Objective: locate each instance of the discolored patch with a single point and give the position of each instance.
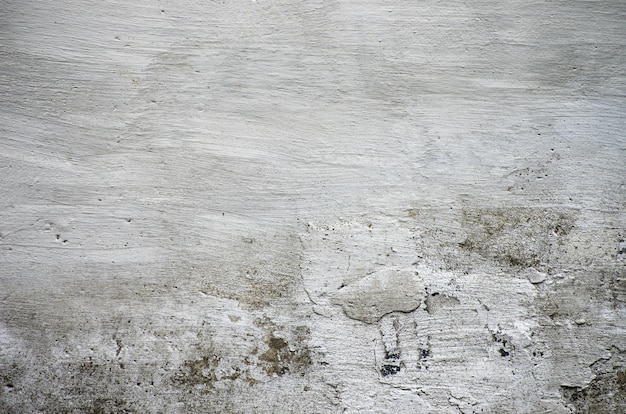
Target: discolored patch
(621, 381)
(606, 392)
(517, 237)
(277, 356)
(199, 371)
(281, 357)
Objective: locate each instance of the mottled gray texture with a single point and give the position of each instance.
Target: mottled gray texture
(312, 207)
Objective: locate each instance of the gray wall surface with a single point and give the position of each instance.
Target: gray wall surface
(274, 206)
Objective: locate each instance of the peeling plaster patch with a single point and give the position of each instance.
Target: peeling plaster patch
(606, 392)
(534, 276)
(380, 293)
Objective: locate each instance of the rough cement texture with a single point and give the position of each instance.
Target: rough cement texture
(312, 207)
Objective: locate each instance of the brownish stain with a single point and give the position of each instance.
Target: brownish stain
(621, 381)
(199, 371)
(280, 359)
(277, 356)
(284, 355)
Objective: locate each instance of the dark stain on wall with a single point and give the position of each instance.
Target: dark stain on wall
(282, 357)
(517, 237)
(199, 371)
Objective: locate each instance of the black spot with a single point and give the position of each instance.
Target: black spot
(504, 353)
(621, 247)
(389, 370)
(395, 354)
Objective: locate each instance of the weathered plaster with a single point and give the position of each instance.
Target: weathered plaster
(312, 207)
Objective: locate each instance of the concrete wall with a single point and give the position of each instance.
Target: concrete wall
(312, 207)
